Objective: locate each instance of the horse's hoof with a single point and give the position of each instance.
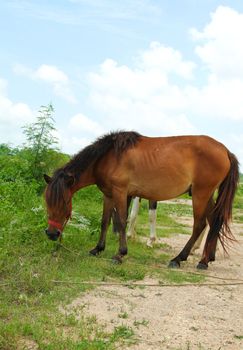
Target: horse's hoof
(117, 259)
(150, 243)
(94, 252)
(212, 257)
(202, 266)
(173, 264)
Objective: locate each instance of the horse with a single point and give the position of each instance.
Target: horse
(126, 164)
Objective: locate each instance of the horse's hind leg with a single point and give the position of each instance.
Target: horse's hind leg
(106, 218)
(210, 208)
(131, 232)
(210, 244)
(152, 223)
(200, 209)
(198, 241)
(208, 253)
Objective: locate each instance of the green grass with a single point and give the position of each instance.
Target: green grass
(30, 263)
(238, 202)
(52, 330)
(238, 216)
(176, 277)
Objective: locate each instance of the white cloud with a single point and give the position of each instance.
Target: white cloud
(3, 86)
(81, 123)
(21, 69)
(143, 98)
(235, 142)
(166, 60)
(219, 99)
(153, 68)
(72, 144)
(52, 75)
(221, 48)
(13, 115)
(80, 132)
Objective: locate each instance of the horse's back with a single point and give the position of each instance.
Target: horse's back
(164, 167)
(175, 163)
(190, 152)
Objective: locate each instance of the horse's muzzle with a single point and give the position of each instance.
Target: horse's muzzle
(53, 235)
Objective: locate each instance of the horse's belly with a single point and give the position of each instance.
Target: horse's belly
(158, 189)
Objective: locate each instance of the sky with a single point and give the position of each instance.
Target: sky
(165, 67)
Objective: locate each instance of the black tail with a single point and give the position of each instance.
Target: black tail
(222, 213)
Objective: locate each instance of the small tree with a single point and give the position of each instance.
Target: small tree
(40, 141)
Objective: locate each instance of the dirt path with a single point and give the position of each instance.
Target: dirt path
(195, 317)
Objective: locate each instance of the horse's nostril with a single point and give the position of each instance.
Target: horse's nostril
(53, 235)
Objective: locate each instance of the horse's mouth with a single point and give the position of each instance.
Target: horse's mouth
(53, 236)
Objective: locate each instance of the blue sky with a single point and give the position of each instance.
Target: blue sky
(159, 67)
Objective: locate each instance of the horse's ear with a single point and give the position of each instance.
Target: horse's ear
(47, 178)
(69, 180)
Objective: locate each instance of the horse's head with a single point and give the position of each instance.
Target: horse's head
(58, 196)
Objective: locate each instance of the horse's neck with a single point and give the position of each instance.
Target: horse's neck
(86, 179)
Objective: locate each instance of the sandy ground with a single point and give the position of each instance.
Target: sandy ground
(192, 317)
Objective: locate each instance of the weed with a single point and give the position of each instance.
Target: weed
(123, 333)
(141, 323)
(240, 337)
(123, 315)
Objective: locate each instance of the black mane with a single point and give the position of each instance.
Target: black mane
(120, 141)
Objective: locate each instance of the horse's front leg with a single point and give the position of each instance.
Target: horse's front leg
(106, 218)
(121, 212)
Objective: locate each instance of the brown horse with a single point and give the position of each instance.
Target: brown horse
(127, 164)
